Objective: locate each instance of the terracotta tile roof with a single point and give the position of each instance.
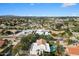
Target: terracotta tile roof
(2, 43)
(74, 50)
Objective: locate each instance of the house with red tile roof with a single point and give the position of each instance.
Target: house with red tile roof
(2, 42)
(73, 50)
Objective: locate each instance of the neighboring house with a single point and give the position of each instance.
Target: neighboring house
(2, 43)
(41, 31)
(73, 51)
(5, 48)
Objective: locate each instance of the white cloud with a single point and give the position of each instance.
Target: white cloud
(68, 4)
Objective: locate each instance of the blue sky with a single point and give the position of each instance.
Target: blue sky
(39, 9)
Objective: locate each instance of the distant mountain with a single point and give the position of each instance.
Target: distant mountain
(6, 17)
(33, 16)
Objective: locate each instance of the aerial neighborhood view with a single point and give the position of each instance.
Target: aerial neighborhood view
(39, 29)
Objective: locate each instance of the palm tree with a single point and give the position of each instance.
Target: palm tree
(60, 49)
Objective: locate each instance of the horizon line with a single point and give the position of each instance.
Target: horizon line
(39, 16)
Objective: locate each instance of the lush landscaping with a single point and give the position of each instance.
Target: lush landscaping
(28, 40)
